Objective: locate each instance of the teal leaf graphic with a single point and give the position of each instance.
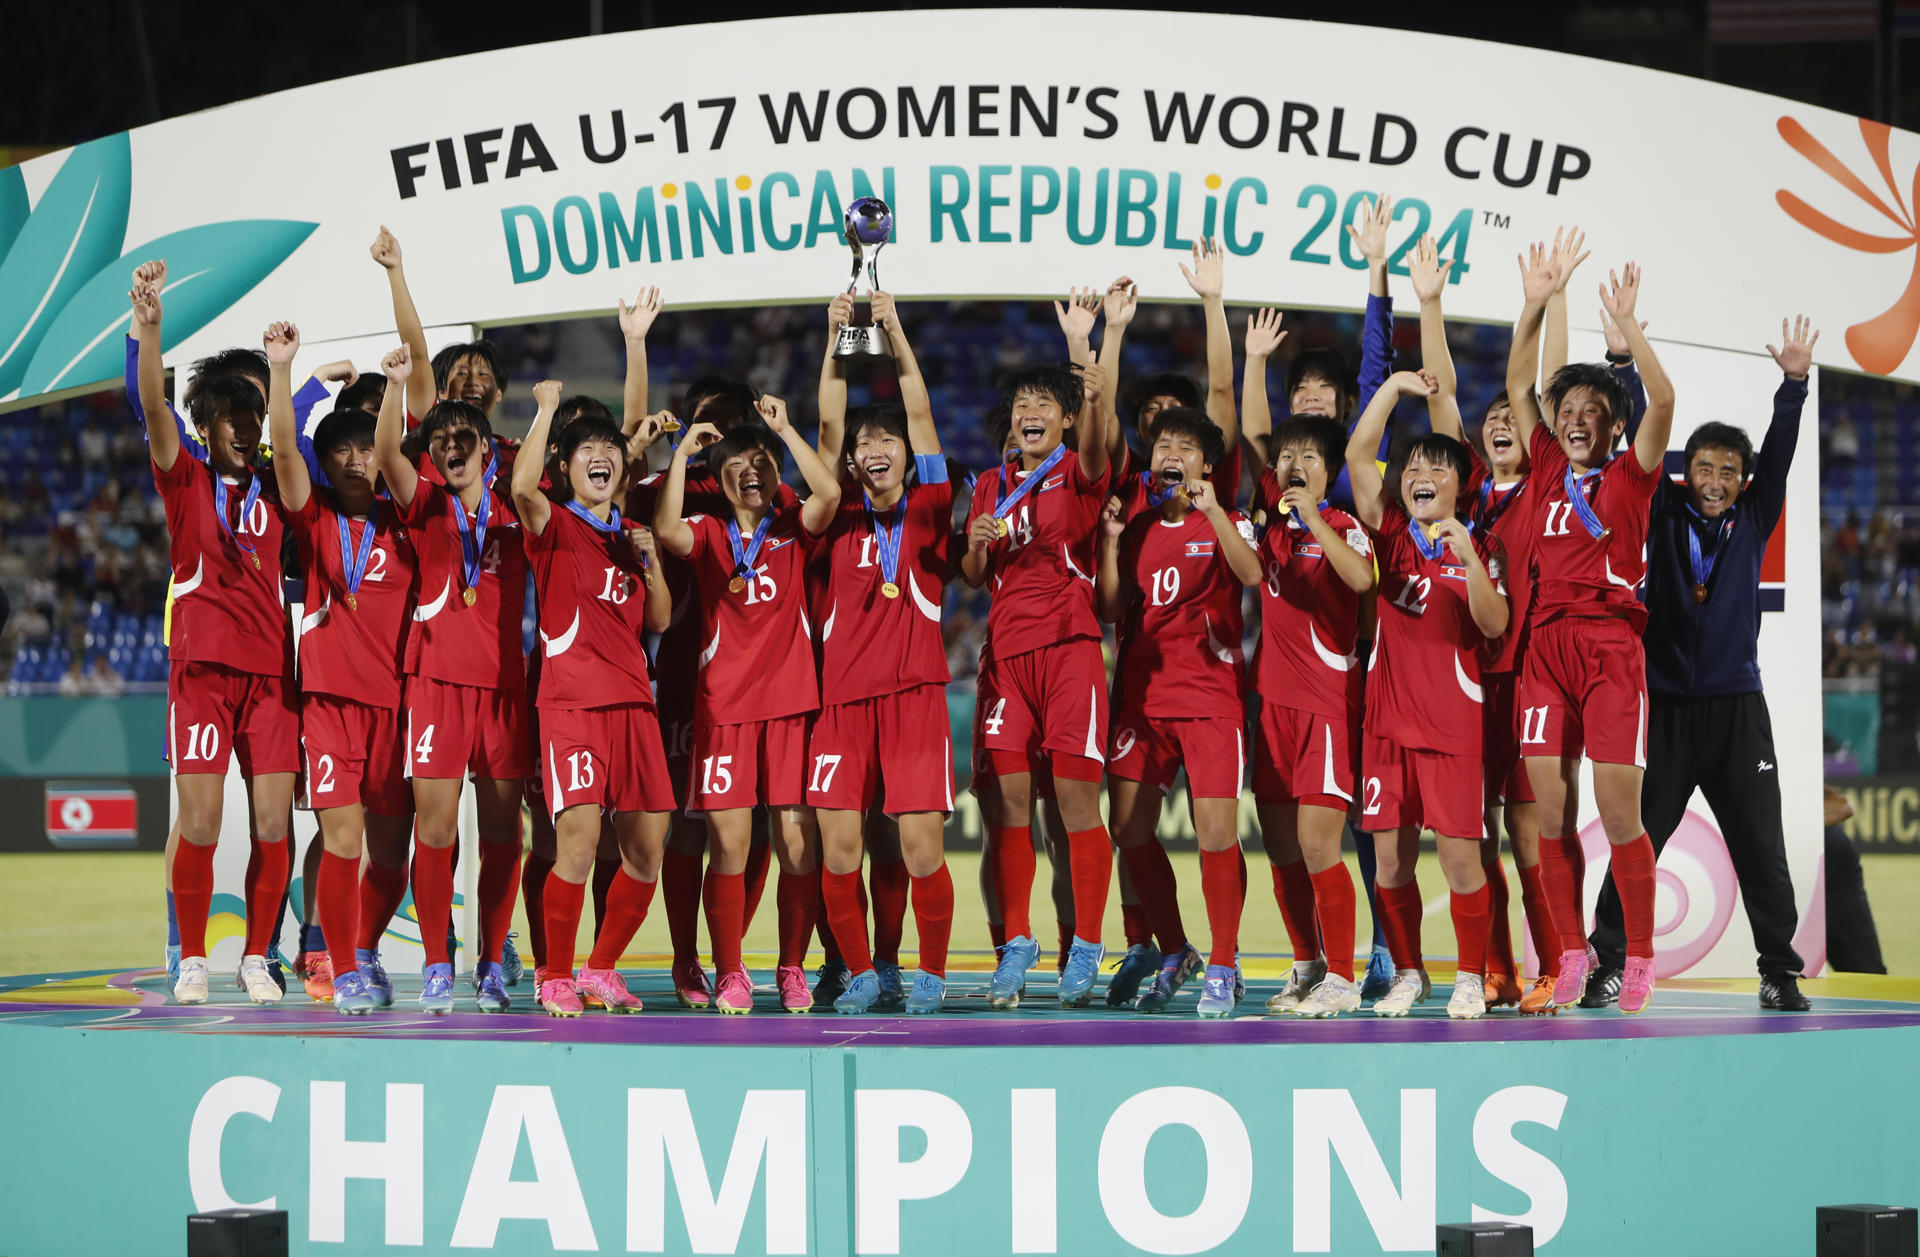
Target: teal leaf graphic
(208, 269)
(78, 227)
(13, 206)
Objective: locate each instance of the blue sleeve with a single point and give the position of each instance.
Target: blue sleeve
(1768, 491)
(1630, 376)
(1376, 359)
(311, 394)
(191, 443)
(932, 468)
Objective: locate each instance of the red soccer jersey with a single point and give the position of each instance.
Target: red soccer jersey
(1043, 570)
(354, 652)
(1132, 491)
(1180, 652)
(226, 584)
(1578, 573)
(871, 644)
(462, 644)
(593, 599)
(1309, 617)
(1423, 682)
(1501, 511)
(756, 657)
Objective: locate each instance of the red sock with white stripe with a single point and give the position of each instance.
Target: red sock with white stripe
(1152, 875)
(933, 917)
(1090, 851)
(1293, 888)
(1333, 902)
(266, 887)
(1400, 912)
(192, 895)
(1634, 875)
(337, 899)
(1470, 926)
(433, 900)
(1226, 900)
(627, 901)
(846, 918)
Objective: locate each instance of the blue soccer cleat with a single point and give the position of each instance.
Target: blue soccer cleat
(489, 988)
(861, 994)
(1174, 973)
(350, 995)
(436, 989)
(892, 993)
(929, 994)
(1216, 991)
(1010, 975)
(1082, 967)
(379, 985)
(1379, 979)
(173, 965)
(512, 968)
(1139, 965)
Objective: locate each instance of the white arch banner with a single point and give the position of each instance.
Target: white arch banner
(1019, 157)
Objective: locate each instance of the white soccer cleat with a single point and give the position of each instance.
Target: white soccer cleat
(191, 986)
(1410, 987)
(1331, 997)
(1469, 998)
(256, 981)
(1301, 980)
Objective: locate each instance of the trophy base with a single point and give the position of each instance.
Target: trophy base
(861, 342)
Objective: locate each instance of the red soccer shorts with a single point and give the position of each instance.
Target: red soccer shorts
(1430, 789)
(456, 731)
(350, 753)
(1583, 687)
(902, 740)
(1152, 750)
(1507, 780)
(609, 757)
(215, 713)
(759, 762)
(1305, 756)
(1052, 699)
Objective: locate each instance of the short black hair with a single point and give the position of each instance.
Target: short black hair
(584, 428)
(249, 364)
(732, 397)
(453, 413)
(741, 438)
(573, 409)
(887, 417)
(1433, 448)
(1060, 381)
(1497, 400)
(1602, 381)
(1165, 384)
(1324, 364)
(1000, 428)
(371, 387)
(483, 349)
(347, 425)
(1189, 422)
(1721, 436)
(1325, 436)
(227, 396)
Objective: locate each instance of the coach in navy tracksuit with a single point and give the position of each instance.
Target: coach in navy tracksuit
(1708, 725)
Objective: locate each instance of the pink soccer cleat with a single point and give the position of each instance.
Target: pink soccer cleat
(1636, 985)
(608, 989)
(1571, 983)
(735, 992)
(560, 997)
(690, 986)
(794, 995)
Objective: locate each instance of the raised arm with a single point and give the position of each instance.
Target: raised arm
(659, 608)
(163, 438)
(669, 528)
(823, 484)
(1119, 306)
(1620, 362)
(1795, 358)
(1077, 315)
(1109, 590)
(390, 430)
(1363, 468)
(1234, 548)
(635, 321)
(421, 391)
(1207, 280)
(1370, 238)
(533, 506)
(1619, 296)
(1264, 336)
(833, 384)
(1376, 328)
(1429, 274)
(1539, 271)
(282, 342)
(922, 434)
(1568, 254)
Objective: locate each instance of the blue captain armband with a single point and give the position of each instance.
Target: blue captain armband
(932, 468)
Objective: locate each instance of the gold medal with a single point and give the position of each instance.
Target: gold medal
(669, 425)
(1699, 593)
(737, 584)
(469, 595)
(256, 561)
(1431, 530)
(353, 604)
(1003, 527)
(1285, 508)
(890, 589)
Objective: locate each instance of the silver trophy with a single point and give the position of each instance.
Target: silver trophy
(869, 223)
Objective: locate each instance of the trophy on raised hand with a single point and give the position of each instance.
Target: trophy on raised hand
(869, 223)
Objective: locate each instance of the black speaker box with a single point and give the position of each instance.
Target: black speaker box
(1483, 1239)
(238, 1233)
(1866, 1231)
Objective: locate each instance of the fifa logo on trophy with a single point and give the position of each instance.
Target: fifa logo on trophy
(869, 223)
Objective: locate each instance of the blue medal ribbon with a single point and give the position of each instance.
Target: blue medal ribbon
(743, 560)
(1158, 491)
(612, 525)
(473, 540)
(1429, 549)
(1703, 559)
(887, 538)
(1011, 499)
(1293, 517)
(353, 558)
(1576, 487)
(246, 509)
(1491, 511)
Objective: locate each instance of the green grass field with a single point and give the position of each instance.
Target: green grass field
(99, 911)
